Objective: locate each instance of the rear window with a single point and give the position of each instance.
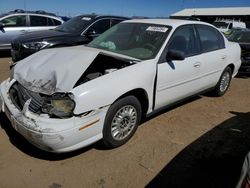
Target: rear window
(75, 25)
(210, 38)
(56, 22)
(53, 22)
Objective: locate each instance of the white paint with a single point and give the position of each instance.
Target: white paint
(64, 66)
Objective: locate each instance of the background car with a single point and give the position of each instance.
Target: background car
(226, 24)
(18, 22)
(63, 99)
(78, 30)
(242, 36)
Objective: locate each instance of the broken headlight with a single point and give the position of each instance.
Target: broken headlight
(59, 105)
(36, 45)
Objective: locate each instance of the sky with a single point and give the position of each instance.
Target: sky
(149, 8)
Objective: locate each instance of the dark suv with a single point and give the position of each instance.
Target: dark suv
(242, 36)
(19, 21)
(78, 30)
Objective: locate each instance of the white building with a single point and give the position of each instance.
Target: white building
(211, 14)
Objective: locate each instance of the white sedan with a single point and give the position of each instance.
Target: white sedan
(67, 98)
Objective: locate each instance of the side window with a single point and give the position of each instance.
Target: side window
(183, 40)
(50, 22)
(38, 21)
(210, 38)
(57, 22)
(15, 21)
(230, 26)
(115, 21)
(101, 26)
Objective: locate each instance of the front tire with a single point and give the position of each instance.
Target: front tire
(121, 121)
(223, 83)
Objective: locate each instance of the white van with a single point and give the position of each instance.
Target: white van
(224, 25)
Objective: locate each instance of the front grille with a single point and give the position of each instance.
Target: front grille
(19, 95)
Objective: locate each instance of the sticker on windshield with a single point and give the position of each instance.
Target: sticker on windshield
(157, 29)
(86, 18)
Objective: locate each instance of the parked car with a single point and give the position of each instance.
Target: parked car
(18, 22)
(78, 30)
(242, 36)
(226, 24)
(63, 99)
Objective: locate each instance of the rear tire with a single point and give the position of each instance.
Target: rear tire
(223, 83)
(121, 121)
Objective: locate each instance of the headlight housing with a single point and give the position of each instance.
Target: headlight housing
(59, 105)
(36, 45)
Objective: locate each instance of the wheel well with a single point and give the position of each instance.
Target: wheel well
(231, 66)
(141, 95)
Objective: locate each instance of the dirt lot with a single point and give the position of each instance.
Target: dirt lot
(199, 143)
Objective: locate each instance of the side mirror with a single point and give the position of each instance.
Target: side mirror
(175, 55)
(91, 33)
(2, 27)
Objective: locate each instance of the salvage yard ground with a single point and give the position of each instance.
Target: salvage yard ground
(199, 143)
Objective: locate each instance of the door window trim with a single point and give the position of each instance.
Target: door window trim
(162, 58)
(97, 20)
(221, 38)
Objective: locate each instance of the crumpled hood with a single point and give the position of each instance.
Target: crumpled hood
(54, 70)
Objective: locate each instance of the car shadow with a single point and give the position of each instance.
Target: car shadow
(5, 54)
(243, 76)
(213, 160)
(168, 108)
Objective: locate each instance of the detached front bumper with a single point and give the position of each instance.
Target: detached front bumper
(50, 134)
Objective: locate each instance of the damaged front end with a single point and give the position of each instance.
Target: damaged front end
(48, 122)
(58, 105)
(45, 100)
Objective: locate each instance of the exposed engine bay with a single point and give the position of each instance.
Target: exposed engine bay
(102, 65)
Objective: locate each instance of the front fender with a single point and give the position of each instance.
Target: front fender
(106, 89)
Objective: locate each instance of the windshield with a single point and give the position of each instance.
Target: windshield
(75, 25)
(222, 25)
(240, 36)
(137, 40)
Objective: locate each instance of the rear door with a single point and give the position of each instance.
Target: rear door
(38, 22)
(213, 54)
(179, 79)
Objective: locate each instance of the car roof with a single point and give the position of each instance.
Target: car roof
(38, 12)
(94, 16)
(170, 22)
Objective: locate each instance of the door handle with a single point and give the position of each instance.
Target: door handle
(197, 65)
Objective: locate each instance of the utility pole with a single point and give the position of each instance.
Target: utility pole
(24, 4)
(194, 6)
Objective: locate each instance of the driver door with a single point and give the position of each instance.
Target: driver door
(179, 79)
